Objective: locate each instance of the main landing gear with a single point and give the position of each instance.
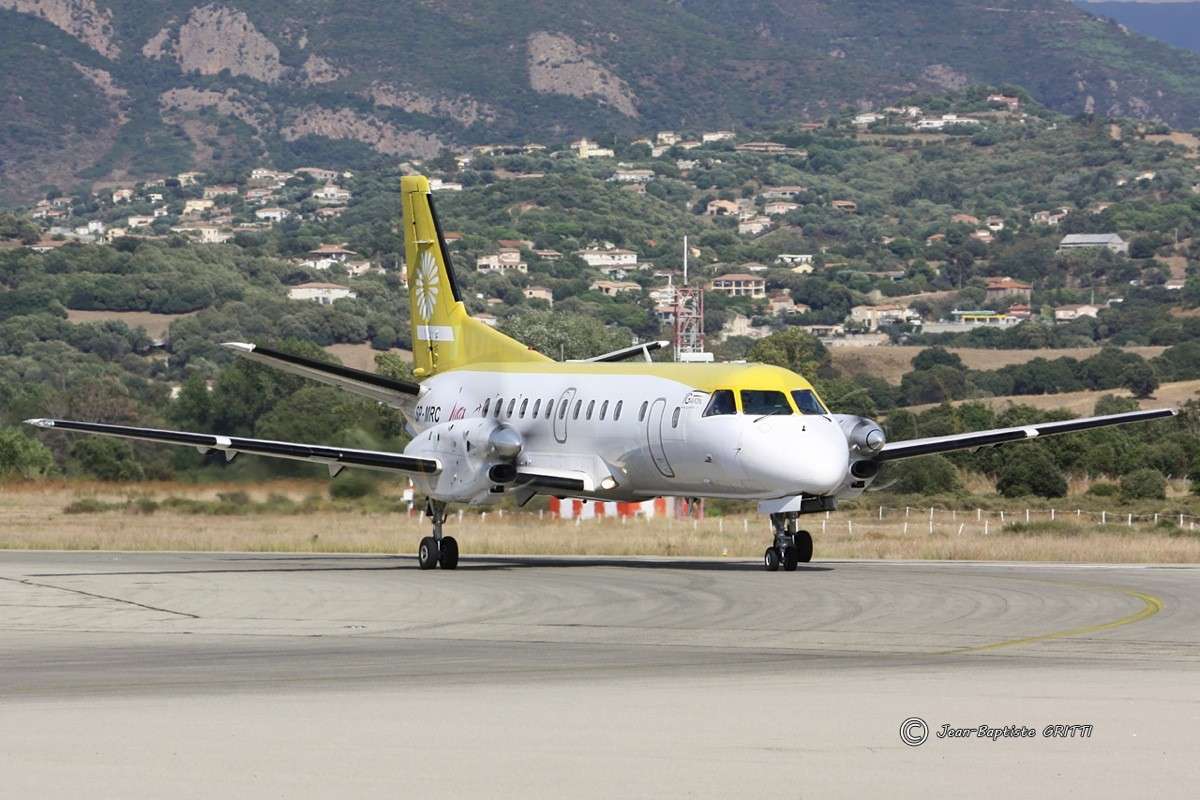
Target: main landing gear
(791, 546)
(437, 549)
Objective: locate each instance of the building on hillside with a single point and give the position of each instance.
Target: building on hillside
(321, 293)
(722, 208)
(1085, 241)
(319, 174)
(219, 190)
(328, 255)
(197, 206)
(777, 208)
(205, 234)
(538, 293)
(964, 219)
(754, 226)
(608, 256)
(740, 325)
(332, 195)
(667, 138)
(1000, 288)
(272, 214)
(258, 195)
(439, 185)
(717, 136)
(1074, 312)
(1051, 218)
(614, 288)
(767, 148)
(1012, 103)
(189, 178)
(629, 175)
(737, 284)
(587, 149)
(874, 317)
(782, 192)
(548, 255)
(983, 235)
(491, 320)
(849, 206)
(515, 244)
(507, 260)
(122, 195)
(995, 224)
(795, 260)
(133, 223)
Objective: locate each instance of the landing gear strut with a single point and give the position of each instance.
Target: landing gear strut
(437, 549)
(790, 548)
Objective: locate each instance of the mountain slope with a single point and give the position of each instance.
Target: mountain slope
(119, 89)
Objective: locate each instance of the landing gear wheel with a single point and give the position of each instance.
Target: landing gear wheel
(449, 556)
(771, 559)
(790, 559)
(803, 546)
(428, 552)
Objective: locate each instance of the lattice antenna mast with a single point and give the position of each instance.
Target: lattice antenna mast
(689, 318)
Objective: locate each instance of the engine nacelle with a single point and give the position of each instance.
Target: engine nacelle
(476, 455)
(865, 440)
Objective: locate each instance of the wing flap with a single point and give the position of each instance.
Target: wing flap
(381, 388)
(969, 441)
(334, 457)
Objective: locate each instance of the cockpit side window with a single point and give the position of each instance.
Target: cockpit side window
(720, 403)
(807, 402)
(758, 402)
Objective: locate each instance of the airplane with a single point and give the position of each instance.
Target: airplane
(491, 418)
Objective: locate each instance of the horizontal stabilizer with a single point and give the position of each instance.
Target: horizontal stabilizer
(969, 441)
(643, 349)
(334, 457)
(381, 388)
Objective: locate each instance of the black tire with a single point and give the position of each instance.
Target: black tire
(771, 559)
(449, 555)
(790, 559)
(427, 553)
(803, 546)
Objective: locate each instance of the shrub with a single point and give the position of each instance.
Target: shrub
(23, 457)
(928, 475)
(1144, 484)
(1031, 471)
(352, 486)
(1104, 490)
(89, 505)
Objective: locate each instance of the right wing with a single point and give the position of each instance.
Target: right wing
(969, 441)
(336, 458)
(390, 391)
(644, 349)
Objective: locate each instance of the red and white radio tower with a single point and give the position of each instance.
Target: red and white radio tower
(689, 318)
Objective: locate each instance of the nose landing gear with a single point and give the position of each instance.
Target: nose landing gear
(791, 547)
(437, 549)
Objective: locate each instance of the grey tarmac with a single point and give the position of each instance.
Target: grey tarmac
(201, 675)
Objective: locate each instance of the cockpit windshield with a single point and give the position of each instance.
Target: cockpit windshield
(807, 402)
(720, 404)
(759, 402)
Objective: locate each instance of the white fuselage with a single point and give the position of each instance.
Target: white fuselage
(635, 435)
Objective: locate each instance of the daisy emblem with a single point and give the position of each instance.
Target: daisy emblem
(426, 285)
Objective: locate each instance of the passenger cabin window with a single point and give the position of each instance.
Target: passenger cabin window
(549, 408)
(617, 411)
(511, 405)
(675, 418)
(524, 406)
(603, 410)
(642, 411)
(537, 406)
(591, 407)
(499, 406)
(720, 403)
(575, 413)
(487, 405)
(758, 402)
(562, 411)
(807, 402)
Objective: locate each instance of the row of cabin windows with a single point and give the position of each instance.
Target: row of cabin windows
(563, 409)
(759, 402)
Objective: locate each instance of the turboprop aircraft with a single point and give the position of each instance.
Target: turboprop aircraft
(490, 418)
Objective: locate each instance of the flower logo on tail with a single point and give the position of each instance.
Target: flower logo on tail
(426, 287)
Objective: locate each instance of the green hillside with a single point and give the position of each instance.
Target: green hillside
(121, 89)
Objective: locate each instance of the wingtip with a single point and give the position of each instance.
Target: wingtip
(244, 347)
(40, 423)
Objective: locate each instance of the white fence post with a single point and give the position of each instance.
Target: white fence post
(985, 527)
(1103, 517)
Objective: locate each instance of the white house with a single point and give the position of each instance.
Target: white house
(327, 255)
(794, 259)
(614, 288)
(133, 223)
(608, 257)
(754, 226)
(629, 175)
(439, 185)
(1083, 241)
(322, 293)
(197, 206)
(272, 214)
(332, 195)
(717, 136)
(1073, 312)
(872, 317)
(507, 260)
(777, 208)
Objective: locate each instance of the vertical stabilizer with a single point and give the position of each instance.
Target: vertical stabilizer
(444, 336)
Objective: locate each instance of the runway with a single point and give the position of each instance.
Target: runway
(192, 675)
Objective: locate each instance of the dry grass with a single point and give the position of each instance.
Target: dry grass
(891, 362)
(32, 517)
(362, 356)
(1082, 403)
(156, 325)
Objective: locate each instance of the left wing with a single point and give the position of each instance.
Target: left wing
(969, 441)
(336, 458)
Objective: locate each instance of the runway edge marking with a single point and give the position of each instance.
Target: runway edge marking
(1151, 605)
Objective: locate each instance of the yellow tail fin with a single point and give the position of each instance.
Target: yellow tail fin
(444, 335)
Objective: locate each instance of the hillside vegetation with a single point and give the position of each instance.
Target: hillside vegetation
(118, 89)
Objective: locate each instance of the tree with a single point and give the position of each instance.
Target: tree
(927, 475)
(794, 349)
(23, 457)
(1031, 472)
(1139, 379)
(1144, 484)
(107, 460)
(564, 335)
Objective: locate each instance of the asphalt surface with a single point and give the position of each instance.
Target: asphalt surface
(196, 675)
